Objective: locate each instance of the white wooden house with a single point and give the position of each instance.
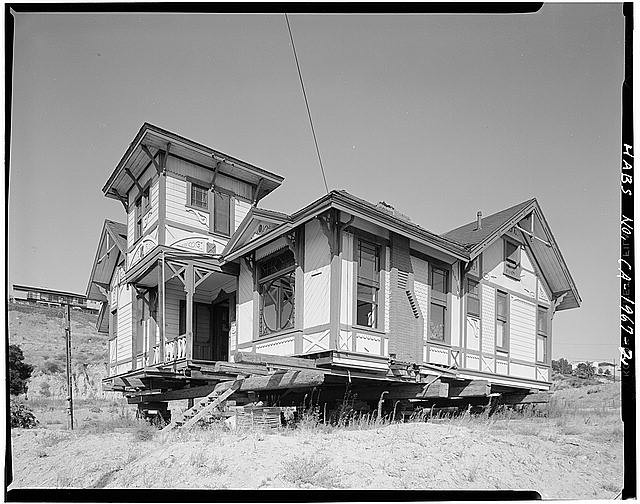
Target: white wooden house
(200, 275)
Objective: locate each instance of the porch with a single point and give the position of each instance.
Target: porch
(183, 308)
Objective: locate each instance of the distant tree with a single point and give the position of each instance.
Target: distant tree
(585, 370)
(19, 371)
(562, 366)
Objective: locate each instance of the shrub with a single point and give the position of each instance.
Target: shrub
(19, 371)
(22, 416)
(51, 367)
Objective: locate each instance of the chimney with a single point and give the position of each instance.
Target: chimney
(479, 221)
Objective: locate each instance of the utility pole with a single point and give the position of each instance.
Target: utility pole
(67, 332)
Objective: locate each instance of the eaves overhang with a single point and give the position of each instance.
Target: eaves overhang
(155, 138)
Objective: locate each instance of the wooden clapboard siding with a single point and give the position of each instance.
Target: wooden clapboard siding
(421, 289)
(488, 334)
(493, 271)
(347, 299)
(316, 275)
(245, 304)
(241, 209)
(153, 197)
(522, 329)
(131, 226)
(173, 294)
(178, 212)
(453, 317)
(125, 328)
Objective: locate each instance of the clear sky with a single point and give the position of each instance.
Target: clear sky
(439, 115)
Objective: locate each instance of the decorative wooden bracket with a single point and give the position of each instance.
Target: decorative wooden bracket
(557, 301)
(250, 262)
(165, 157)
(135, 180)
(258, 187)
(122, 199)
(329, 224)
(290, 238)
(216, 169)
(152, 158)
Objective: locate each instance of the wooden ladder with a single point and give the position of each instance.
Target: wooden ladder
(189, 418)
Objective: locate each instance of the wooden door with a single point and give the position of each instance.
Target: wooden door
(202, 334)
(221, 331)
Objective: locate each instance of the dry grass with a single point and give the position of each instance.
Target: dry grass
(311, 470)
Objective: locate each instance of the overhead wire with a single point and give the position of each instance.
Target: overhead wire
(306, 101)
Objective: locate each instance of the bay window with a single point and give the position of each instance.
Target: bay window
(276, 285)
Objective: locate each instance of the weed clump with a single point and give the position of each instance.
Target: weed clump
(309, 471)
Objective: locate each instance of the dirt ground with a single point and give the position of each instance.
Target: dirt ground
(574, 453)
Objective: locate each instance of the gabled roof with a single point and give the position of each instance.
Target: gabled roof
(468, 236)
(112, 248)
(251, 224)
(546, 253)
(153, 139)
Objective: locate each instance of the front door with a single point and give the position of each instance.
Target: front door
(202, 334)
(221, 330)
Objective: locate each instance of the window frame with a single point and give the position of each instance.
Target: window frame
(472, 296)
(141, 207)
(512, 271)
(441, 299)
(263, 281)
(373, 283)
(498, 318)
(190, 201)
(542, 334)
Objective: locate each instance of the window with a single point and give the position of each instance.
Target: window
(221, 213)
(368, 260)
(141, 208)
(502, 322)
(276, 279)
(473, 299)
(439, 282)
(199, 197)
(512, 259)
(541, 340)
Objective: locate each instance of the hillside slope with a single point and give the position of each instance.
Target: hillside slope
(39, 331)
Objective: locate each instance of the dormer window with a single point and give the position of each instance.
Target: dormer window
(512, 259)
(199, 196)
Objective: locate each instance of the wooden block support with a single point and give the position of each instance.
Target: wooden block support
(273, 360)
(540, 397)
(469, 388)
(302, 378)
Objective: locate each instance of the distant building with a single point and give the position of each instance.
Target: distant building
(50, 297)
(604, 366)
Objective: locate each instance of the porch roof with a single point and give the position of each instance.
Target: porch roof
(146, 265)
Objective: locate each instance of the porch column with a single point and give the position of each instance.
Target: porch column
(160, 309)
(189, 288)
